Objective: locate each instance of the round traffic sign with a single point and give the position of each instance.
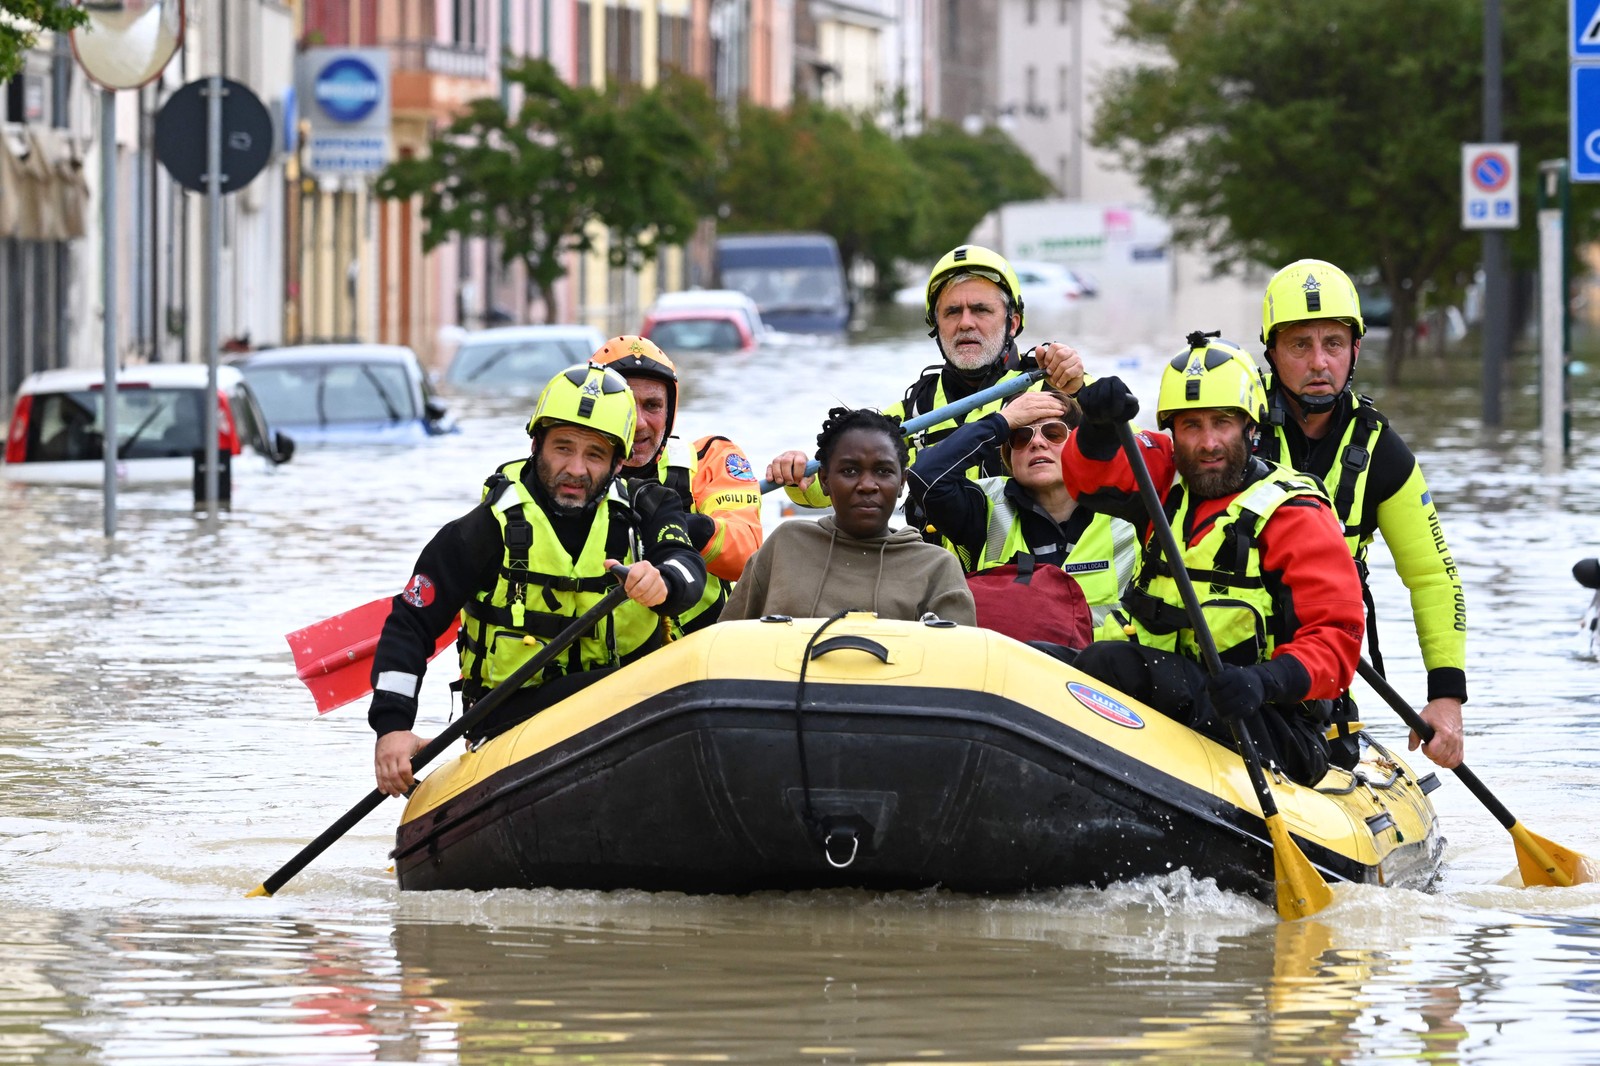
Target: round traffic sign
(181, 139)
(1490, 171)
(348, 89)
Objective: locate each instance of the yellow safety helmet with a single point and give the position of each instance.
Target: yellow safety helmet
(1309, 289)
(589, 396)
(633, 356)
(972, 259)
(1211, 372)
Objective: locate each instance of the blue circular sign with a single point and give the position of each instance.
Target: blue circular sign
(348, 89)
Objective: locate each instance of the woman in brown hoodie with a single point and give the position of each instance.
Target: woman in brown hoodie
(852, 560)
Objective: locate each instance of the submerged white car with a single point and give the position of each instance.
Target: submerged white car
(56, 435)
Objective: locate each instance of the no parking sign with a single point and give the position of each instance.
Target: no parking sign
(1488, 186)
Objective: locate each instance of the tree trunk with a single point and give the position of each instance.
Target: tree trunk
(1402, 332)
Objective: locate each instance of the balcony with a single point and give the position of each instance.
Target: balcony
(436, 57)
(435, 79)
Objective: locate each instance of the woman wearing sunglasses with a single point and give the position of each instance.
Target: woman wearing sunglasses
(1026, 519)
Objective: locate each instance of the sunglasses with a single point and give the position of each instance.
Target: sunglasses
(1054, 433)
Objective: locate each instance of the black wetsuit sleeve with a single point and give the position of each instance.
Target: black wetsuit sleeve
(461, 559)
(938, 483)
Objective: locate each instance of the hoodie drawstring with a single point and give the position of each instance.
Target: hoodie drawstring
(822, 580)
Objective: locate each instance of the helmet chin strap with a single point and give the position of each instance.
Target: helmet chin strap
(1316, 405)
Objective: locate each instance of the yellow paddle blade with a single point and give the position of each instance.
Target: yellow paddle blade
(259, 890)
(1544, 862)
(1301, 890)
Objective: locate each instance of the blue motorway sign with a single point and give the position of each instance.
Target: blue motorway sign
(1584, 108)
(1584, 33)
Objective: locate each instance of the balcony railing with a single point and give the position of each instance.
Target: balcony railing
(436, 57)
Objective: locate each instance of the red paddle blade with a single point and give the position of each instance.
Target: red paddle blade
(334, 656)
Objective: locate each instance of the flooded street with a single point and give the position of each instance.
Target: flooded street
(158, 758)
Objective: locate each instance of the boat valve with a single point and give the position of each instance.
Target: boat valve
(833, 846)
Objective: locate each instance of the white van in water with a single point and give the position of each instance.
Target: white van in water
(57, 425)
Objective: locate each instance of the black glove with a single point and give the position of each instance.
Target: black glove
(1107, 402)
(1241, 690)
(1236, 691)
(701, 529)
(650, 496)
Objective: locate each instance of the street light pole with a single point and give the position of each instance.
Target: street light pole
(108, 299)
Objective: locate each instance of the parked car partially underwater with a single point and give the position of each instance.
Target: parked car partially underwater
(705, 329)
(57, 430)
(513, 360)
(797, 279)
(346, 393)
(708, 299)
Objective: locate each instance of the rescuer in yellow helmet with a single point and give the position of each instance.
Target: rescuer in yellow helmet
(1279, 595)
(1312, 326)
(527, 560)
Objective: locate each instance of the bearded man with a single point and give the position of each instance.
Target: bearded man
(531, 557)
(1278, 588)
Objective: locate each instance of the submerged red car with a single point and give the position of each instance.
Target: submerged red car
(698, 329)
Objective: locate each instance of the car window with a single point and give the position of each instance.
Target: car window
(327, 393)
(697, 334)
(151, 424)
(787, 287)
(518, 365)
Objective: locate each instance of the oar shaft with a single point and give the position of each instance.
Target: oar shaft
(480, 710)
(955, 409)
(1162, 531)
(1381, 686)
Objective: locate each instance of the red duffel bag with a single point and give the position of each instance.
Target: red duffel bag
(1026, 601)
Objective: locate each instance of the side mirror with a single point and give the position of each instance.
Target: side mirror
(435, 409)
(126, 43)
(282, 449)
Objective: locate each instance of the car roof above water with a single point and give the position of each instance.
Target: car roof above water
(152, 375)
(396, 353)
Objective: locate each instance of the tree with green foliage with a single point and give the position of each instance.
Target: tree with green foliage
(538, 178)
(884, 199)
(21, 21)
(967, 176)
(1271, 130)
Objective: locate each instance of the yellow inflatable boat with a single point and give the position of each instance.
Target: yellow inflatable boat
(882, 755)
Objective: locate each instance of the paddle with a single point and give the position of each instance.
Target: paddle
(332, 656)
(1301, 890)
(480, 710)
(955, 409)
(1541, 861)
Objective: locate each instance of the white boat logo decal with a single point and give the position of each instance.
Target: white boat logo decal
(1106, 707)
